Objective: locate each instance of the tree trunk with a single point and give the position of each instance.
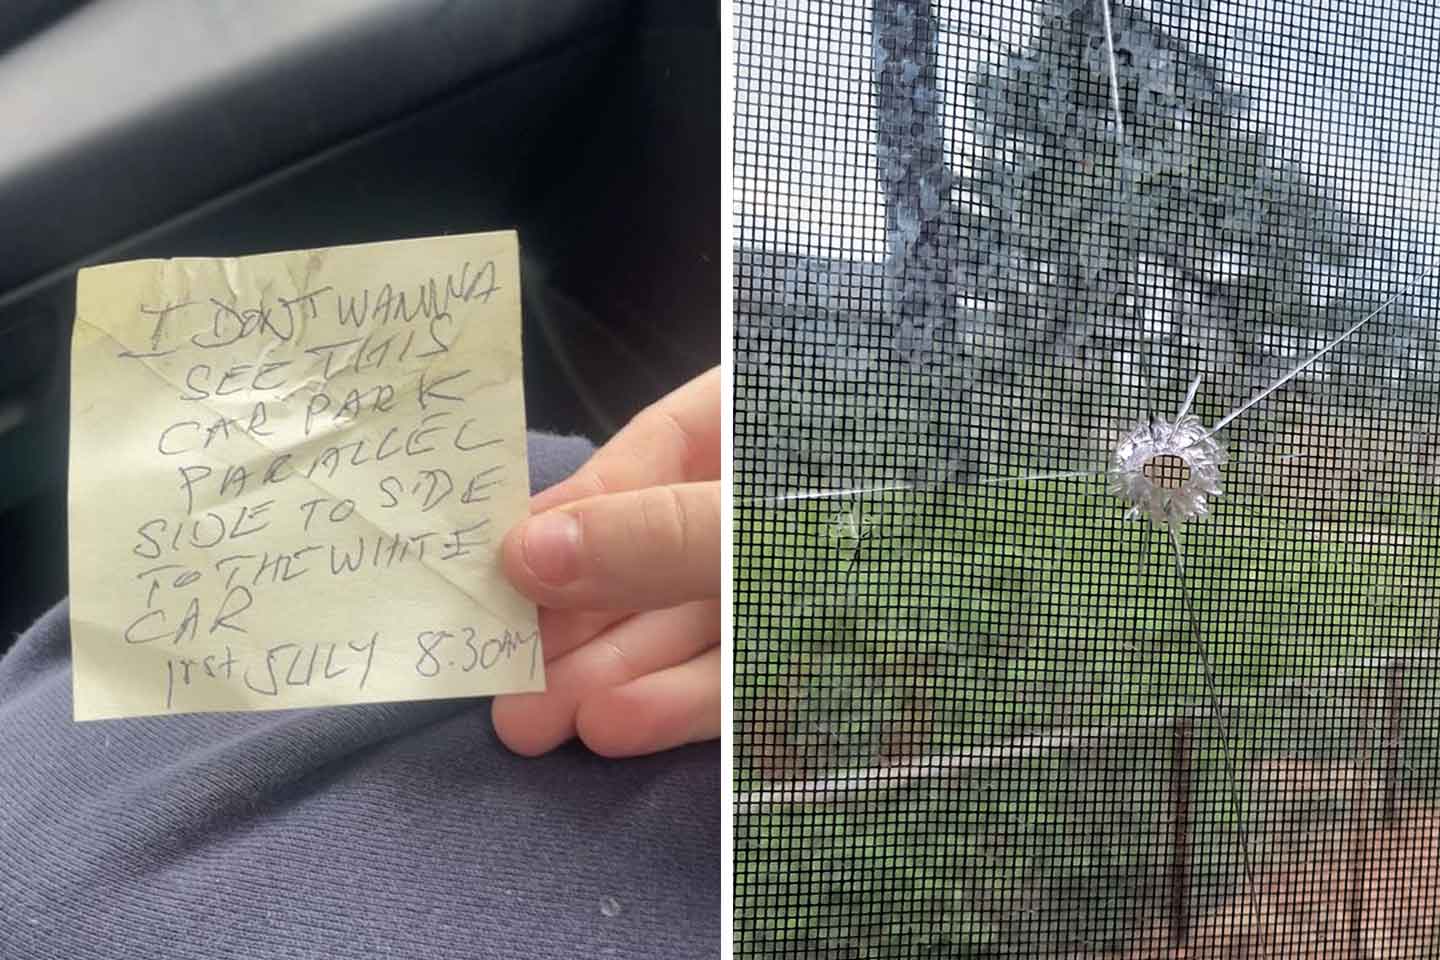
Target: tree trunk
(910, 150)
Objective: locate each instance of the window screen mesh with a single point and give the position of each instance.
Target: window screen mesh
(1051, 638)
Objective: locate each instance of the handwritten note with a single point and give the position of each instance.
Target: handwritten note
(289, 476)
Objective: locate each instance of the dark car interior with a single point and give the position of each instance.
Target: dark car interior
(159, 128)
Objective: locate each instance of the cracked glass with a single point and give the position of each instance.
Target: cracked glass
(1087, 450)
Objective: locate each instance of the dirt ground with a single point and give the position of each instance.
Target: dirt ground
(1305, 902)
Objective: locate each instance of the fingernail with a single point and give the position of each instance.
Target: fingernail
(552, 547)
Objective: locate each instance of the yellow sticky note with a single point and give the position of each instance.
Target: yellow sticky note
(290, 475)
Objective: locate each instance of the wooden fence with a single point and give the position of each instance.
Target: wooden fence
(875, 781)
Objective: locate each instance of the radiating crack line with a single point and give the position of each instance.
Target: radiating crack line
(920, 487)
(1114, 73)
(1212, 694)
(831, 494)
(1305, 364)
(1185, 406)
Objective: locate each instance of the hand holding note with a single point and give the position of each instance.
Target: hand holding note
(624, 560)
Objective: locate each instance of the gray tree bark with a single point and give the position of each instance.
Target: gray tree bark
(910, 149)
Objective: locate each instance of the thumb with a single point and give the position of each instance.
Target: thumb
(638, 550)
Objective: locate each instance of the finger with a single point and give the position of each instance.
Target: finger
(535, 723)
(563, 630)
(639, 550)
(661, 710)
(674, 440)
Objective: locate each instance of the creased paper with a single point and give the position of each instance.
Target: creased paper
(290, 475)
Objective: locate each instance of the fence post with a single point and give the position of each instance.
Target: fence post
(1363, 800)
(1359, 846)
(1394, 715)
(1182, 767)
